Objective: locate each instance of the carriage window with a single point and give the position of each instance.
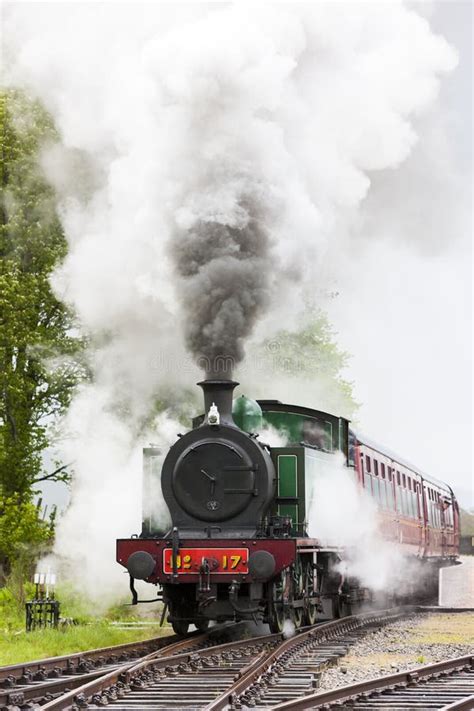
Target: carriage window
(389, 469)
(409, 483)
(367, 462)
(382, 469)
(404, 480)
(376, 467)
(450, 515)
(398, 478)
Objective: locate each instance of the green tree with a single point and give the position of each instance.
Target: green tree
(36, 330)
(23, 537)
(309, 354)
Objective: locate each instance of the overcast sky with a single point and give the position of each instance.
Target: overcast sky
(404, 313)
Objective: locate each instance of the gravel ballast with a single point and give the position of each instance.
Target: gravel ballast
(404, 645)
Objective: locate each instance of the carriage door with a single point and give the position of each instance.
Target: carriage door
(426, 519)
(420, 516)
(444, 538)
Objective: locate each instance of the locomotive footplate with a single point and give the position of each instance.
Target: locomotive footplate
(245, 560)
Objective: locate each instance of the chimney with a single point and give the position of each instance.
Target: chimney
(218, 392)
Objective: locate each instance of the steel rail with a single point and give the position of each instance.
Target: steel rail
(66, 661)
(139, 673)
(128, 673)
(35, 693)
(389, 682)
(466, 704)
(324, 631)
(14, 696)
(83, 662)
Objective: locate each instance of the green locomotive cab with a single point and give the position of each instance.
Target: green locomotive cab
(313, 438)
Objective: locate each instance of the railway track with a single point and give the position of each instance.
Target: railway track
(268, 672)
(238, 674)
(37, 682)
(446, 686)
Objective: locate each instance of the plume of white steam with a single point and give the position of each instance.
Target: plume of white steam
(272, 436)
(343, 514)
(289, 629)
(208, 155)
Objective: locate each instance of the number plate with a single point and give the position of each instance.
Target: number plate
(221, 560)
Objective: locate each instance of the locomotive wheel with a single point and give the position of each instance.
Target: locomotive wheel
(298, 594)
(276, 616)
(311, 610)
(201, 625)
(180, 627)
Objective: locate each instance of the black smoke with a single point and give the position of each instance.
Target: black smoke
(225, 273)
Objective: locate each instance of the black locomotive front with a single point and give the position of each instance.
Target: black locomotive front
(218, 481)
(217, 561)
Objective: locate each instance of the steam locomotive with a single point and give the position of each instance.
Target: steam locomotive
(238, 544)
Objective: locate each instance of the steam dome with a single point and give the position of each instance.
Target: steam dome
(247, 414)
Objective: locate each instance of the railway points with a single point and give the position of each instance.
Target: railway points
(445, 686)
(30, 683)
(215, 677)
(266, 672)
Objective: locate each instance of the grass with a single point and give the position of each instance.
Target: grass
(88, 632)
(436, 629)
(456, 628)
(23, 647)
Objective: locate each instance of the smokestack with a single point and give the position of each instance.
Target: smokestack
(218, 392)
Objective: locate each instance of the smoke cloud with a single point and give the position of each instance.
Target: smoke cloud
(209, 157)
(225, 270)
(376, 562)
